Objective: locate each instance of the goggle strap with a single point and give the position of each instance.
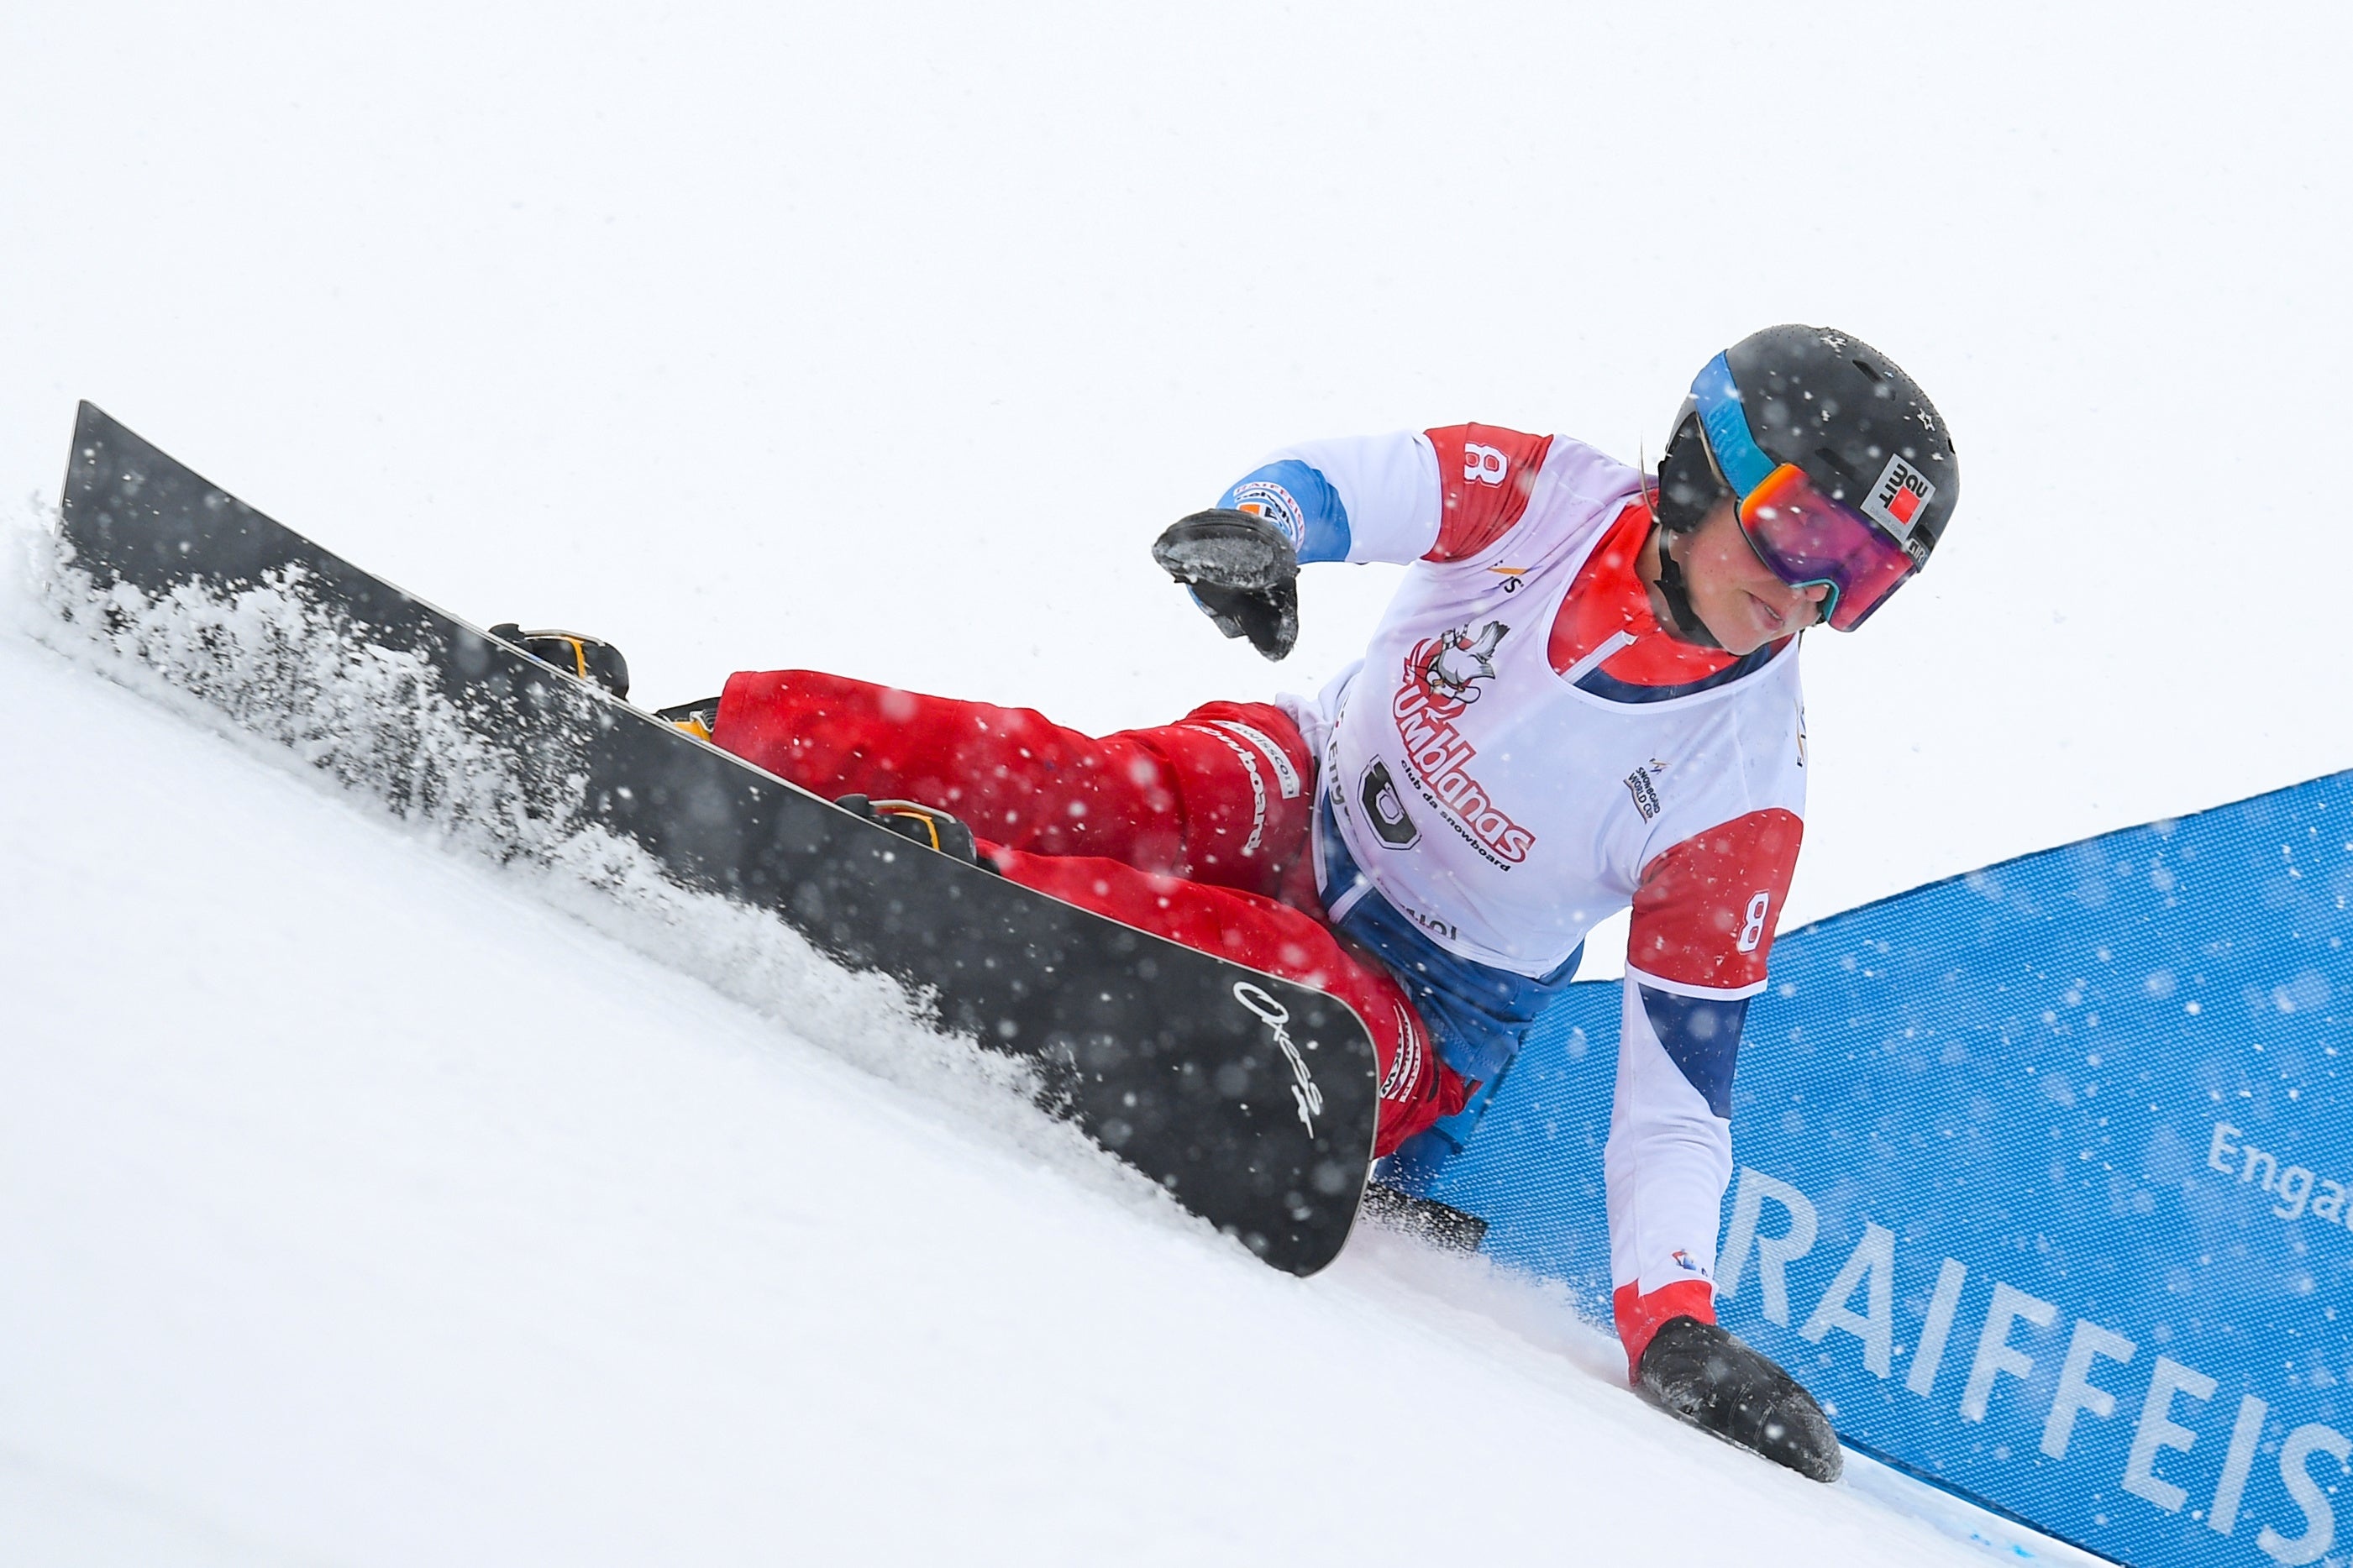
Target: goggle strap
(1688, 626)
(1732, 447)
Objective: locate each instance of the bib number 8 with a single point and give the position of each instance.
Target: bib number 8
(1752, 931)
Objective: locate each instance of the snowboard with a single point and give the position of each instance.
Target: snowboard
(1249, 1098)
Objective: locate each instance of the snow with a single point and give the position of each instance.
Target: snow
(361, 1201)
(364, 1204)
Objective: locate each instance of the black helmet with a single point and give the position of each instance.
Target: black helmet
(1836, 407)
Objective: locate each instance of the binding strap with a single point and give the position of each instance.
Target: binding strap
(1672, 588)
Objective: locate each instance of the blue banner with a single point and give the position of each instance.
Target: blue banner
(2041, 1179)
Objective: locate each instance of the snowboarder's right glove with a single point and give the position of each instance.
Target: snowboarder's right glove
(1242, 571)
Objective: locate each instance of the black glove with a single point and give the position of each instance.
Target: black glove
(1704, 1375)
(1242, 572)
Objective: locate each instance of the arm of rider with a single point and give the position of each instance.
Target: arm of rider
(1703, 929)
(1394, 497)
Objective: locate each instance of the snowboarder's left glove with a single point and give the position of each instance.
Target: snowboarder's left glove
(1242, 572)
(1701, 1372)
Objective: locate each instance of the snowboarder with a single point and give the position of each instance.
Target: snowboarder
(1584, 697)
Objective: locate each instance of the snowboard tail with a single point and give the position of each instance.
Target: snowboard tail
(1194, 1070)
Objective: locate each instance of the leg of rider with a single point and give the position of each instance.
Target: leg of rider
(1245, 790)
(1146, 801)
(1222, 796)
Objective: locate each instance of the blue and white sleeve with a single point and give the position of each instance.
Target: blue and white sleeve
(1367, 498)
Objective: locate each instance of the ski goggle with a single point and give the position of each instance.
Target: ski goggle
(1803, 536)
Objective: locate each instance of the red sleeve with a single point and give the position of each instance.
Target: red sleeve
(1485, 475)
(1706, 912)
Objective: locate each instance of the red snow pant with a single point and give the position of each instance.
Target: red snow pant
(1196, 831)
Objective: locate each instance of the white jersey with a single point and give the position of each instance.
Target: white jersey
(1523, 751)
(1510, 763)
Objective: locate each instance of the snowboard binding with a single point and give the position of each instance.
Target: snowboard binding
(591, 660)
(926, 825)
(697, 719)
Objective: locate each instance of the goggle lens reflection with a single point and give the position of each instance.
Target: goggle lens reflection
(1805, 537)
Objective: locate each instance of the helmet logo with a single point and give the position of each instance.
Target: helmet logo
(1898, 501)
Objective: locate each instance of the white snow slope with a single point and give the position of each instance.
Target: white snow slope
(361, 1202)
(361, 1207)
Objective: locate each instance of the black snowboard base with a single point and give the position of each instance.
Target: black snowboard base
(1442, 1226)
(1249, 1098)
